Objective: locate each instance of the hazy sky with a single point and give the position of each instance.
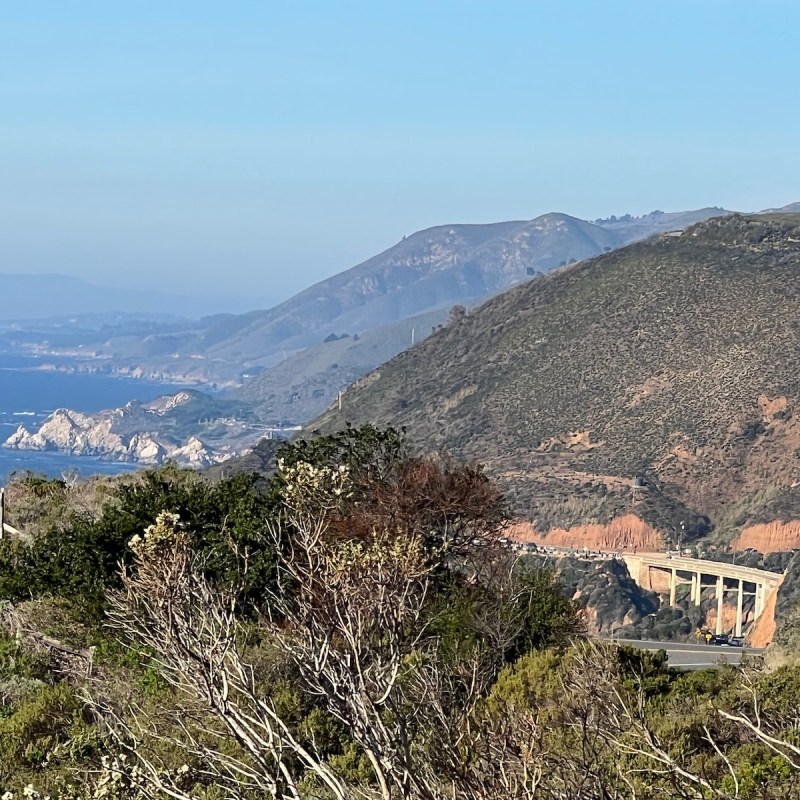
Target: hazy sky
(251, 148)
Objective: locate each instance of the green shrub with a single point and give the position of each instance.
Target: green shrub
(79, 560)
(44, 718)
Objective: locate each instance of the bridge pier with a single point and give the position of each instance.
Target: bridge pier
(720, 599)
(739, 608)
(760, 599)
(673, 586)
(646, 582)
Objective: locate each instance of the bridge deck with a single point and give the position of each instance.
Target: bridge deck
(705, 567)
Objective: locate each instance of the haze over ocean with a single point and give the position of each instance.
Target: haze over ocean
(27, 396)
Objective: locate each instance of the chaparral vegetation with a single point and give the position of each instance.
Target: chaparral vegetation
(349, 627)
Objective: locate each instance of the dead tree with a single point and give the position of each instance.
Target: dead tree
(168, 604)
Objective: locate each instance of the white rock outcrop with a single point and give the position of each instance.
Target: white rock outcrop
(72, 432)
(196, 454)
(95, 435)
(163, 405)
(146, 449)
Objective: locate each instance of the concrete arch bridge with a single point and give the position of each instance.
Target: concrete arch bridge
(701, 574)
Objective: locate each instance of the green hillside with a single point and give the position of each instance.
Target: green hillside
(675, 360)
(306, 382)
(425, 273)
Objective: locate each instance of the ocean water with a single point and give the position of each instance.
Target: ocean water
(27, 396)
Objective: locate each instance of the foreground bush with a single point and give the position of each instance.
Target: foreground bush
(350, 629)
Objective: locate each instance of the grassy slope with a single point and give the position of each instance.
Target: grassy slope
(659, 351)
(304, 385)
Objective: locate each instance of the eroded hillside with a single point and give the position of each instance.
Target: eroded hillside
(662, 379)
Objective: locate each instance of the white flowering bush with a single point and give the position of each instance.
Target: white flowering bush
(156, 537)
(383, 558)
(308, 487)
(117, 779)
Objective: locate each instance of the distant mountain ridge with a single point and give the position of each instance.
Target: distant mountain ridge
(431, 269)
(631, 229)
(428, 271)
(792, 208)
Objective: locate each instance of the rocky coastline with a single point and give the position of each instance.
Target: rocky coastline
(133, 433)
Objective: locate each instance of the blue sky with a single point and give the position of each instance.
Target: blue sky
(250, 149)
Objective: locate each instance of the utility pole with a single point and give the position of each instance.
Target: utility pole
(2, 512)
(412, 336)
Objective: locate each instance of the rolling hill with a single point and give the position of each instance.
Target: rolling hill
(426, 272)
(658, 383)
(302, 386)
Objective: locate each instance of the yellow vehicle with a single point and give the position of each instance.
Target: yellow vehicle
(704, 633)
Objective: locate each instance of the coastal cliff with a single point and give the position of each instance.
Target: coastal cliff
(143, 433)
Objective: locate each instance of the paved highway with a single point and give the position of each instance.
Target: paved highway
(693, 656)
